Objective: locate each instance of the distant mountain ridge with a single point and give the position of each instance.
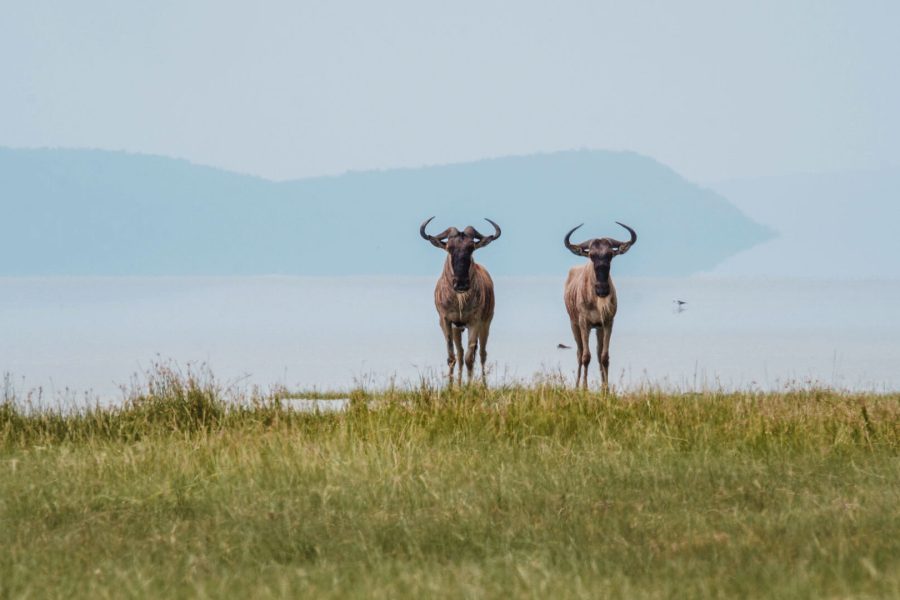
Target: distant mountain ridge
(92, 212)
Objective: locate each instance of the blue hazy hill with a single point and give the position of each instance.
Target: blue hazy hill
(88, 212)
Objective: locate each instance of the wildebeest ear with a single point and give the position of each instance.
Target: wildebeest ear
(623, 248)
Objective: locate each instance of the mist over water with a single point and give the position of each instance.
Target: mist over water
(78, 338)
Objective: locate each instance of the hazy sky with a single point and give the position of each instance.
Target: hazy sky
(296, 88)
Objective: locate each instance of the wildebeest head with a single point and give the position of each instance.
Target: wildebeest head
(601, 252)
(460, 245)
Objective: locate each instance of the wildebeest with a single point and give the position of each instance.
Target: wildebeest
(464, 294)
(590, 298)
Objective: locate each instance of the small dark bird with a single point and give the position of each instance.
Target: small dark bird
(563, 347)
(679, 302)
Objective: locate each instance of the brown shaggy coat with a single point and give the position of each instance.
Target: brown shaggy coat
(590, 298)
(472, 310)
(588, 311)
(464, 294)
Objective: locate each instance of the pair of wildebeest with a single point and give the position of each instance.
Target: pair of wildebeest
(464, 296)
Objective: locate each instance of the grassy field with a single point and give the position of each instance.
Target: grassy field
(537, 491)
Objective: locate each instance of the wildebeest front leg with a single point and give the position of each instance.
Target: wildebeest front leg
(447, 328)
(482, 347)
(472, 343)
(457, 341)
(603, 336)
(585, 346)
(576, 333)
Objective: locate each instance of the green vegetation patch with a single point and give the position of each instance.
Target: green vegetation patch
(520, 491)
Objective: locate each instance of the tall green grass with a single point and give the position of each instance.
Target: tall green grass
(187, 489)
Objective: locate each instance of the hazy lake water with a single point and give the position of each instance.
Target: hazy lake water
(71, 336)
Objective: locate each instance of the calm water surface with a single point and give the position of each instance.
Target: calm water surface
(77, 337)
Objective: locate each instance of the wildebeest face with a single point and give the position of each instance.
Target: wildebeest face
(601, 251)
(460, 245)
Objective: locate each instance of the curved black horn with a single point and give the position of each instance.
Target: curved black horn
(624, 246)
(577, 249)
(435, 240)
(630, 230)
(485, 240)
(496, 228)
(422, 228)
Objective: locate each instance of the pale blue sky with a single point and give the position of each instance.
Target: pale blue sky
(297, 88)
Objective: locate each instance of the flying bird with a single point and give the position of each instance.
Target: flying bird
(563, 347)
